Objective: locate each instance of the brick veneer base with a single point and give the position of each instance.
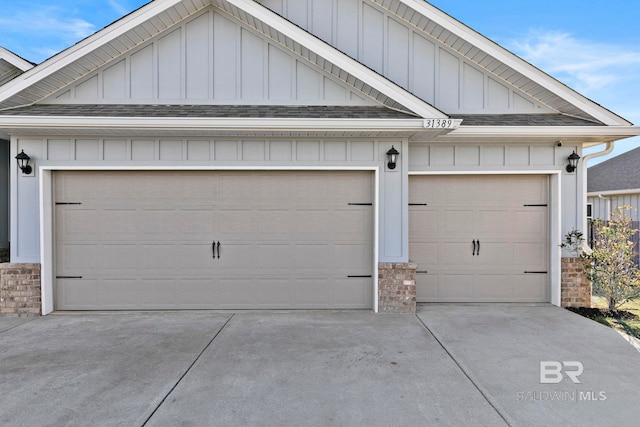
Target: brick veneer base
(576, 288)
(397, 287)
(20, 290)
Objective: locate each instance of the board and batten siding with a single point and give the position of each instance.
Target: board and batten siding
(603, 207)
(211, 58)
(406, 55)
(4, 193)
(224, 153)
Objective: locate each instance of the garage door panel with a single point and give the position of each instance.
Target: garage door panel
(312, 258)
(198, 293)
(275, 292)
(425, 254)
(117, 294)
(314, 293)
(353, 292)
(493, 255)
(78, 258)
(497, 212)
(77, 223)
(455, 222)
(532, 287)
(454, 254)
(493, 287)
(427, 286)
(310, 222)
(116, 257)
(150, 240)
(236, 293)
(77, 294)
(158, 293)
(530, 256)
(119, 224)
(423, 222)
(350, 257)
(235, 257)
(454, 287)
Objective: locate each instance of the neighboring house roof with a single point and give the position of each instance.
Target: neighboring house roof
(618, 174)
(11, 65)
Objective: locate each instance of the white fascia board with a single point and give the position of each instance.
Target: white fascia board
(605, 132)
(613, 192)
(84, 47)
(516, 63)
(13, 59)
(341, 60)
(204, 123)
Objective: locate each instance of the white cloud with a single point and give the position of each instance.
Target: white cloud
(120, 8)
(52, 21)
(587, 66)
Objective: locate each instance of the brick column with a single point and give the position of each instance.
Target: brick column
(575, 287)
(397, 287)
(20, 290)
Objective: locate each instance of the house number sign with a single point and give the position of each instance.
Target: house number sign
(438, 123)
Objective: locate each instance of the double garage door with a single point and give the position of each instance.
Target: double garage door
(213, 240)
(480, 238)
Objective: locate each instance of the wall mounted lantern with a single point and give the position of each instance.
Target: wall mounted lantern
(23, 163)
(392, 157)
(573, 162)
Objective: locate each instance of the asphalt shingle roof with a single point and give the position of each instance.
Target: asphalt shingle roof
(282, 111)
(226, 111)
(618, 173)
(522, 120)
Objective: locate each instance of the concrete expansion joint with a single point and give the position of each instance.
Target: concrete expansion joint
(467, 373)
(206, 347)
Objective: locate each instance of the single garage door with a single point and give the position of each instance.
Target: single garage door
(213, 240)
(480, 238)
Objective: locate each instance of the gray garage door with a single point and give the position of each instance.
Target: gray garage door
(480, 238)
(203, 240)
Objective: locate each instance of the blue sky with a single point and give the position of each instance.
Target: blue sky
(592, 46)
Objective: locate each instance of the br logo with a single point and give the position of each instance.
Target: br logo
(552, 371)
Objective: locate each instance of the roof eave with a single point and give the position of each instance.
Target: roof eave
(516, 63)
(28, 124)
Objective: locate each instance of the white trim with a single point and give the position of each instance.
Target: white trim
(613, 192)
(514, 62)
(13, 59)
(555, 219)
(615, 132)
(46, 212)
(207, 123)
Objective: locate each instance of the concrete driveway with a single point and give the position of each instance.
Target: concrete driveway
(449, 365)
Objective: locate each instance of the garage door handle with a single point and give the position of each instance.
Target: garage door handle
(218, 250)
(478, 250)
(474, 247)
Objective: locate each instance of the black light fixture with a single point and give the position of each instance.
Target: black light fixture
(392, 156)
(573, 162)
(23, 163)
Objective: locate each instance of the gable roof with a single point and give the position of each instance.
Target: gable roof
(503, 63)
(159, 15)
(578, 118)
(11, 65)
(617, 174)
